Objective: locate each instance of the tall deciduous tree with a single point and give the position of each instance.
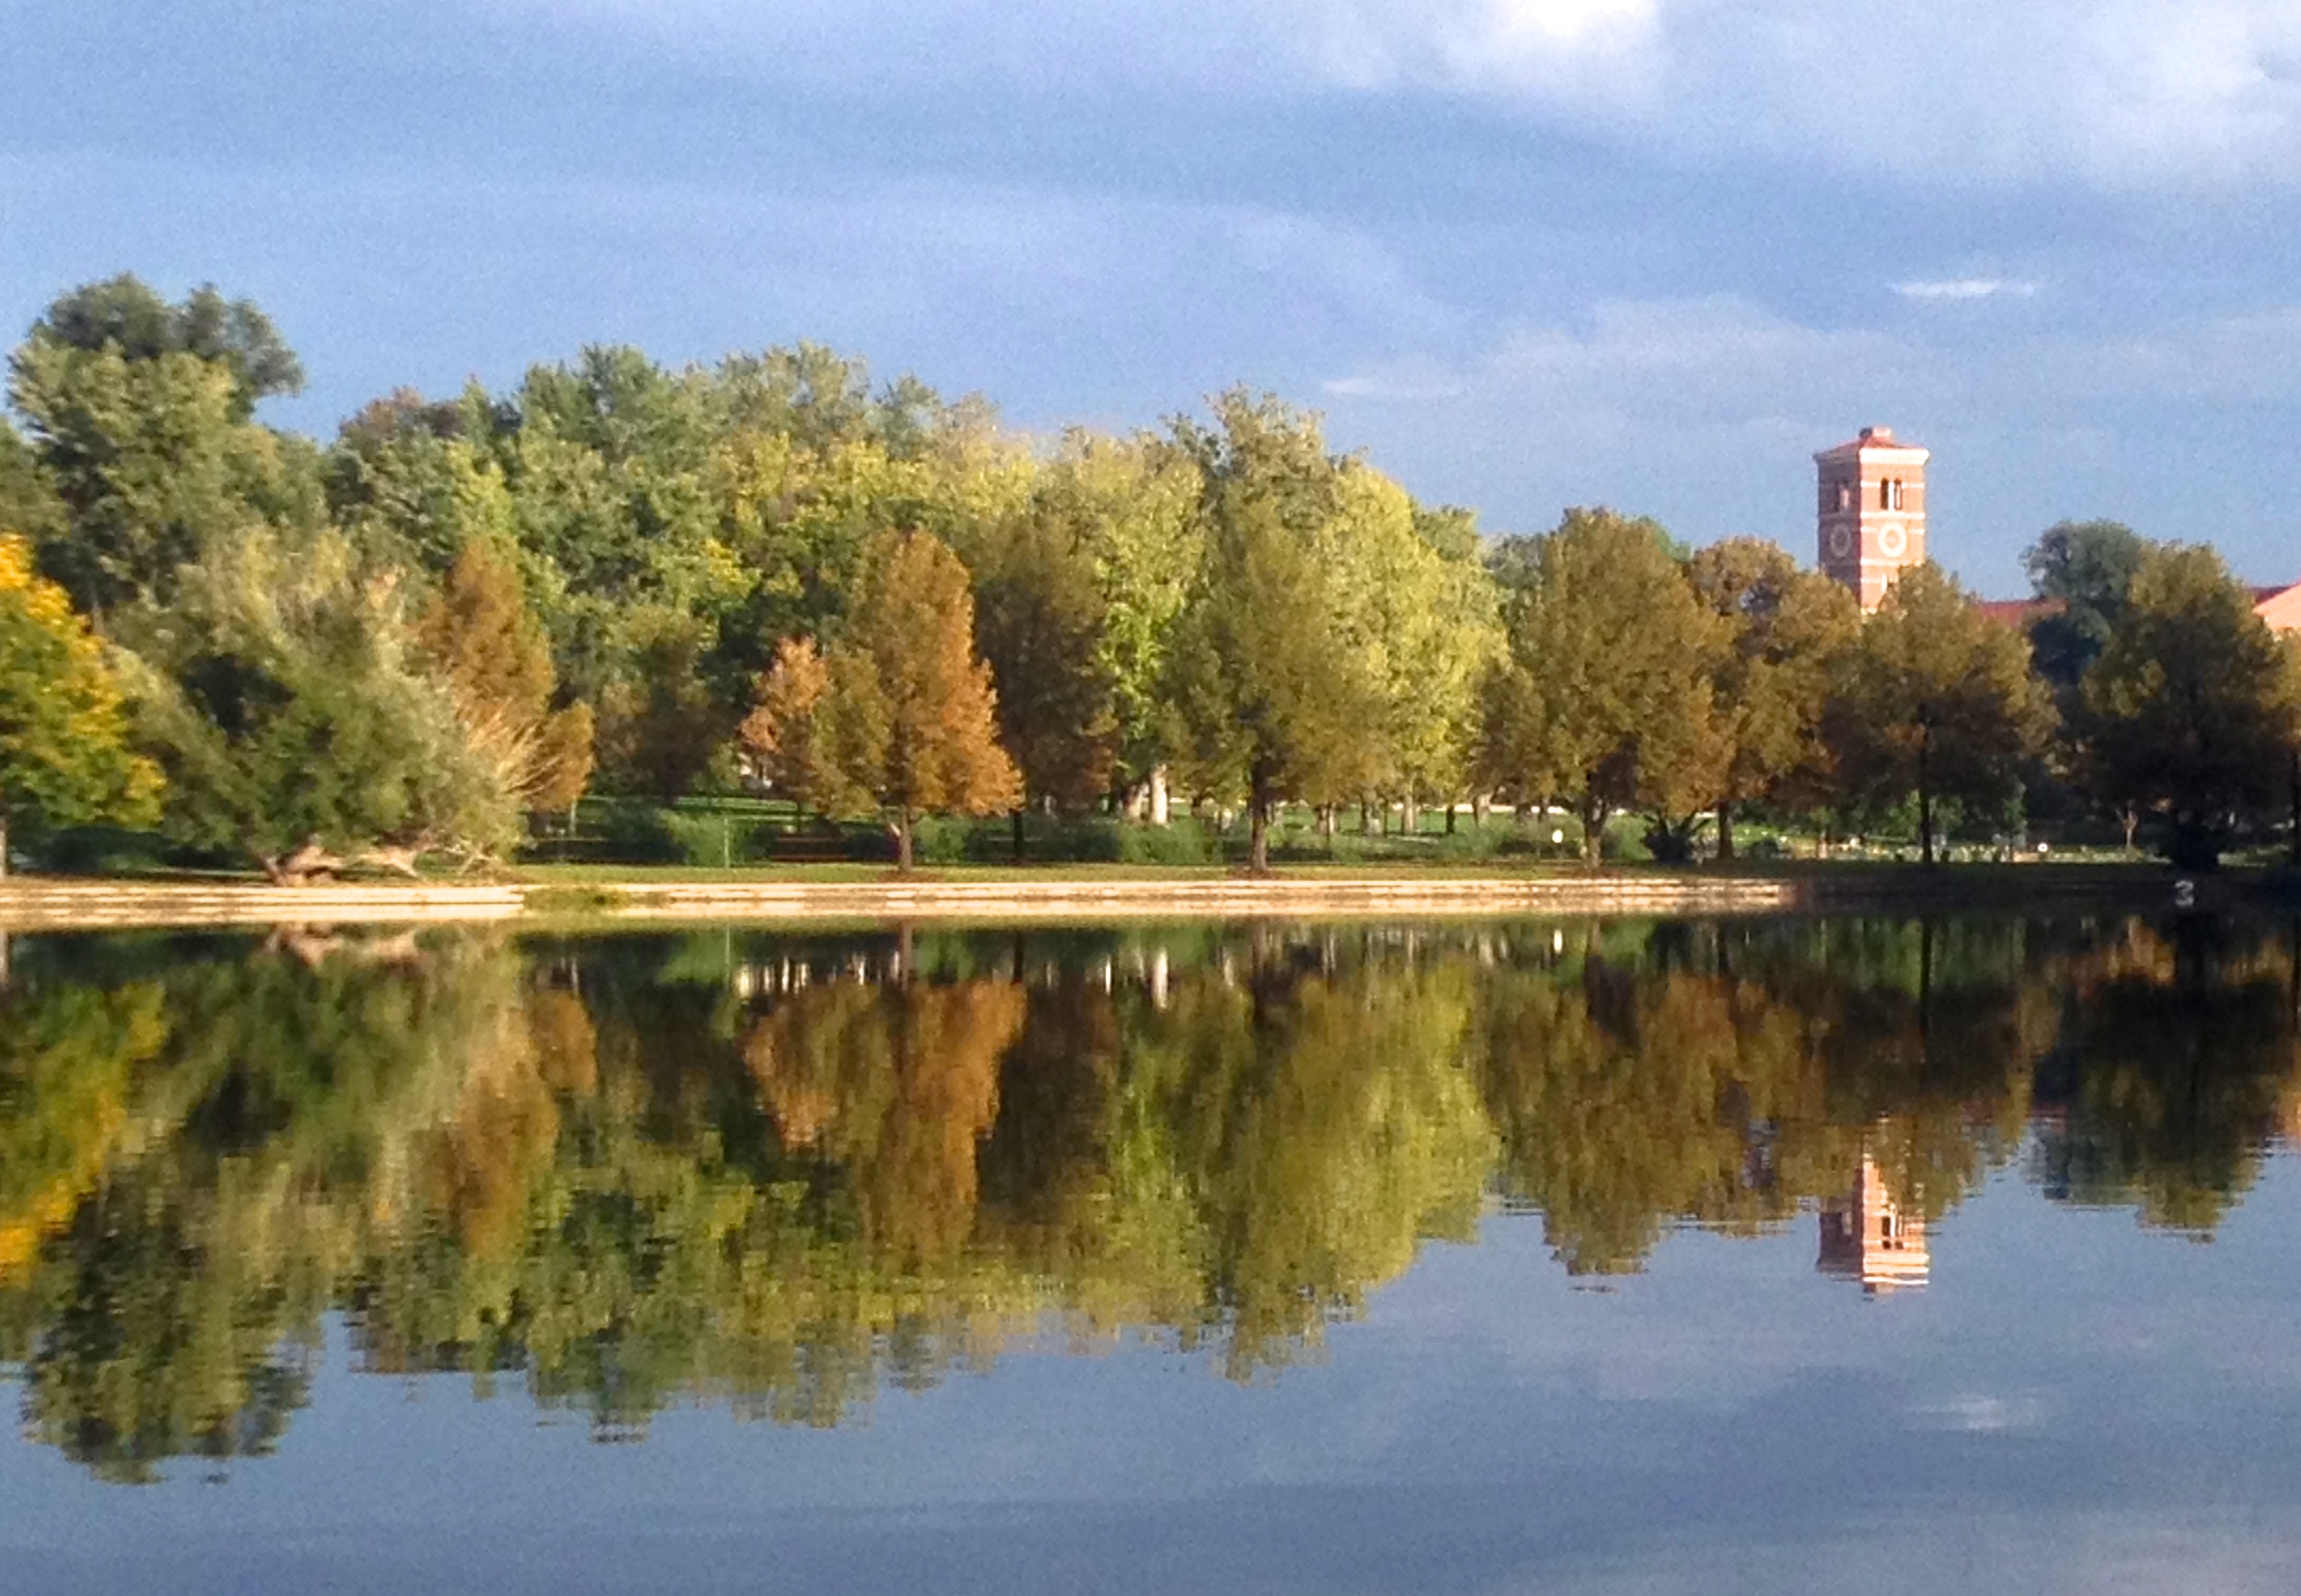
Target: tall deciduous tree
(908, 716)
(63, 754)
(1936, 699)
(2192, 708)
(2082, 572)
(139, 414)
(1040, 618)
(658, 722)
(1271, 697)
(479, 636)
(1604, 698)
(1787, 631)
(1422, 619)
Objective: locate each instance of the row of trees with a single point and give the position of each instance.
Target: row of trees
(614, 1174)
(874, 601)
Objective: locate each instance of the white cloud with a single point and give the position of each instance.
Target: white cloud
(2115, 93)
(1966, 288)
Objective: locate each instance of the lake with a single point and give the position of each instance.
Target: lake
(1744, 1255)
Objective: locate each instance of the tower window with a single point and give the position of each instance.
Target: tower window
(1844, 495)
(1885, 495)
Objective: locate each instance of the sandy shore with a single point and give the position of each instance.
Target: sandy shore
(31, 904)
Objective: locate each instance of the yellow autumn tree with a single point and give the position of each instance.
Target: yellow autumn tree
(64, 758)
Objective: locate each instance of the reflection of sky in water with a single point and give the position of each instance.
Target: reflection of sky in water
(2073, 1404)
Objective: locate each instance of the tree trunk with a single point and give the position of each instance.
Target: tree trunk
(1925, 798)
(1724, 832)
(1478, 802)
(1410, 816)
(2132, 819)
(1450, 817)
(1594, 833)
(1326, 825)
(1159, 797)
(3, 845)
(1017, 834)
(1366, 817)
(903, 840)
(2292, 791)
(1258, 825)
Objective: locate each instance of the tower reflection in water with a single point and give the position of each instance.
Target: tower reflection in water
(1866, 1236)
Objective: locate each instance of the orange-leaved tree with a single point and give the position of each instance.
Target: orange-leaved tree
(902, 716)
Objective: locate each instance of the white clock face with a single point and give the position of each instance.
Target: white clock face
(1841, 542)
(1892, 540)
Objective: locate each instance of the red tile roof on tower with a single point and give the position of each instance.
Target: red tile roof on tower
(1871, 438)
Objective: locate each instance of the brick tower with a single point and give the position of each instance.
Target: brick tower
(1872, 511)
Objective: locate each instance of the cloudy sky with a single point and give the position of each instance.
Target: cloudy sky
(1526, 253)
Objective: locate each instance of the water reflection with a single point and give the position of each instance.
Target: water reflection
(777, 1173)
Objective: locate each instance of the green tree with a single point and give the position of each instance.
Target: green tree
(1936, 699)
(64, 758)
(1040, 618)
(140, 414)
(297, 723)
(1789, 630)
(2082, 573)
(27, 500)
(124, 314)
(659, 724)
(1604, 698)
(1423, 620)
(2194, 706)
(1269, 695)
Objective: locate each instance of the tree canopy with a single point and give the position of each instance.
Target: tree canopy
(64, 753)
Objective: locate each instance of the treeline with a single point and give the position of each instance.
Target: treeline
(770, 575)
(780, 1175)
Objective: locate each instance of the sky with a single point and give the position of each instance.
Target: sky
(1523, 253)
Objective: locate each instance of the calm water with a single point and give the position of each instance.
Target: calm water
(1762, 1256)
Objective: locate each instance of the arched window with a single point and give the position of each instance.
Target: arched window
(1884, 494)
(1845, 495)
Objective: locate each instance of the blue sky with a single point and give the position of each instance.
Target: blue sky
(1526, 253)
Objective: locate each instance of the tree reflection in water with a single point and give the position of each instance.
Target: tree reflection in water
(777, 1173)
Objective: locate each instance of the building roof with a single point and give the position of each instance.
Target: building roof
(1872, 440)
(2015, 612)
(2281, 606)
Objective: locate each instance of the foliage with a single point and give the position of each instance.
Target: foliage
(2082, 573)
(1936, 699)
(1604, 698)
(909, 717)
(1274, 694)
(479, 638)
(288, 707)
(1789, 632)
(139, 418)
(64, 758)
(2194, 708)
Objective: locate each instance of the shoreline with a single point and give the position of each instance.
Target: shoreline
(33, 904)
